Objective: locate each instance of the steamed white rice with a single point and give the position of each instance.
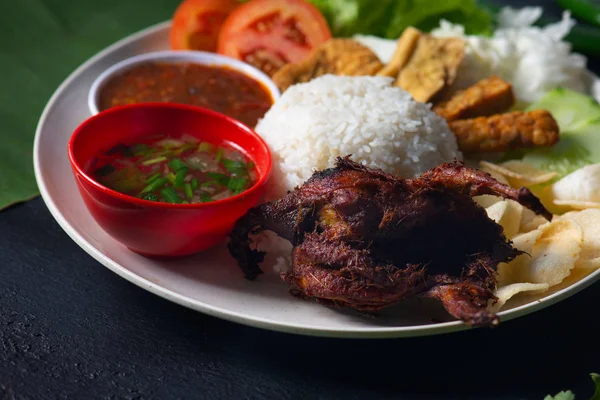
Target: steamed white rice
(379, 125)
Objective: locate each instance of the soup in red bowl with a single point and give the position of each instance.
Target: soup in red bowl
(168, 179)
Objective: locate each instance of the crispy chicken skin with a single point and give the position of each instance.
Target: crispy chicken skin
(487, 97)
(336, 56)
(365, 239)
(504, 132)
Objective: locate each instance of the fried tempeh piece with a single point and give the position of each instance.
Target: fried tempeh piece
(336, 56)
(503, 132)
(487, 97)
(432, 67)
(404, 50)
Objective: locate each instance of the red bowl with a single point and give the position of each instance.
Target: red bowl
(163, 229)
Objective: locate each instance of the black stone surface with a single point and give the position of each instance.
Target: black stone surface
(70, 328)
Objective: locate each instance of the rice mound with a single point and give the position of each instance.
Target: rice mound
(381, 126)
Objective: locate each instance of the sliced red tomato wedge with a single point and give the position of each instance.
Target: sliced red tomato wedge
(271, 33)
(196, 23)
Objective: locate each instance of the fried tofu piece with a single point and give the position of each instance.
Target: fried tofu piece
(487, 97)
(336, 56)
(432, 67)
(404, 50)
(504, 132)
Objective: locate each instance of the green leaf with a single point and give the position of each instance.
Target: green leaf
(42, 42)
(235, 167)
(220, 179)
(388, 18)
(464, 12)
(578, 116)
(568, 395)
(596, 379)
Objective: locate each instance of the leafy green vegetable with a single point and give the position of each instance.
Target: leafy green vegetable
(572, 110)
(188, 191)
(180, 177)
(237, 185)
(578, 116)
(220, 179)
(170, 195)
(235, 167)
(155, 185)
(205, 197)
(596, 379)
(388, 18)
(176, 164)
(568, 395)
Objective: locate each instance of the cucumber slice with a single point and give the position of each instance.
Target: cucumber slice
(573, 111)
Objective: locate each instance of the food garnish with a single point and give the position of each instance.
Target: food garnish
(271, 33)
(365, 239)
(569, 395)
(196, 24)
(586, 10)
(174, 170)
(388, 19)
(336, 56)
(219, 88)
(578, 116)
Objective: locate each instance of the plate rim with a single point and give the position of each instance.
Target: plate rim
(236, 317)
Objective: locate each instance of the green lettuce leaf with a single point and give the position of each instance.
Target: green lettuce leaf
(568, 395)
(388, 18)
(578, 117)
(596, 379)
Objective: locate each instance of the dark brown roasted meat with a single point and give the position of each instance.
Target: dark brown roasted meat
(366, 239)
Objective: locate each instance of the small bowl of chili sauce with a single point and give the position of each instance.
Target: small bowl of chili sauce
(196, 78)
(168, 179)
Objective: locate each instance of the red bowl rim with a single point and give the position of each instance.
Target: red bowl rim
(263, 178)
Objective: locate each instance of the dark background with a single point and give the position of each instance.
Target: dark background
(70, 328)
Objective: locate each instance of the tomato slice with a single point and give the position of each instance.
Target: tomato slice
(271, 33)
(196, 23)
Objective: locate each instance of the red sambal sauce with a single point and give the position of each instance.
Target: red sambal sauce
(218, 88)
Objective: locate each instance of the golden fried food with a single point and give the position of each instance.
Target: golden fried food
(432, 67)
(503, 132)
(487, 97)
(336, 56)
(404, 50)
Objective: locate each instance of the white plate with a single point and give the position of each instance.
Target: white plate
(210, 282)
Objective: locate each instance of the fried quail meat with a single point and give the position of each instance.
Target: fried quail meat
(365, 239)
(487, 97)
(336, 56)
(504, 132)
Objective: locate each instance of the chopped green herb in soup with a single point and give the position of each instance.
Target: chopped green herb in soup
(182, 171)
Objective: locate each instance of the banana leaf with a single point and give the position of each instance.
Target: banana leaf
(41, 43)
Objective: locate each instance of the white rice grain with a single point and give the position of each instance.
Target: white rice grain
(381, 126)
